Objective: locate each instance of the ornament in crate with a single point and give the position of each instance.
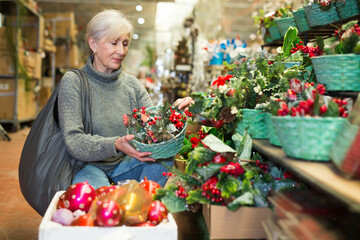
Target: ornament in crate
(308, 125)
(159, 130)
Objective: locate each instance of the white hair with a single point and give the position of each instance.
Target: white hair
(110, 24)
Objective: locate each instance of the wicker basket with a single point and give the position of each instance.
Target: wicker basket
(163, 150)
(272, 134)
(283, 24)
(347, 8)
(301, 20)
(254, 121)
(318, 15)
(338, 72)
(274, 32)
(308, 138)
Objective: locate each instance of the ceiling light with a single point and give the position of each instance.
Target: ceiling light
(135, 36)
(139, 8)
(141, 20)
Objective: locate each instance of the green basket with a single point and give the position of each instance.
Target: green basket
(283, 24)
(347, 8)
(274, 32)
(254, 121)
(308, 138)
(267, 38)
(338, 72)
(291, 64)
(301, 20)
(163, 150)
(318, 15)
(272, 134)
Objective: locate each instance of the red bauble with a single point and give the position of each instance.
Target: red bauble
(108, 213)
(217, 123)
(157, 212)
(101, 191)
(145, 224)
(83, 220)
(79, 196)
(230, 93)
(150, 186)
(61, 203)
(218, 158)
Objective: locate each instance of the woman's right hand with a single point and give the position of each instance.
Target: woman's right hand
(122, 144)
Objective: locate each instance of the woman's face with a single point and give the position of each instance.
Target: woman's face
(109, 54)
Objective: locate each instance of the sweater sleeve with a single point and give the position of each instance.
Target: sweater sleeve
(82, 146)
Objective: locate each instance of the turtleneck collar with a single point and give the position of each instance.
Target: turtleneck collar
(104, 77)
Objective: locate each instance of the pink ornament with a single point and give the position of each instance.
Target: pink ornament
(157, 212)
(79, 196)
(108, 213)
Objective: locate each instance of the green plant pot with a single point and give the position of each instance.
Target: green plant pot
(308, 138)
(274, 32)
(318, 15)
(348, 8)
(283, 24)
(254, 121)
(338, 72)
(301, 20)
(272, 134)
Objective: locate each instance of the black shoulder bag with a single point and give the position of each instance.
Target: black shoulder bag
(45, 165)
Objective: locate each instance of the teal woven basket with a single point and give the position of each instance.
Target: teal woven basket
(267, 38)
(318, 15)
(338, 72)
(301, 20)
(254, 121)
(308, 138)
(163, 150)
(291, 64)
(283, 24)
(274, 32)
(272, 134)
(348, 8)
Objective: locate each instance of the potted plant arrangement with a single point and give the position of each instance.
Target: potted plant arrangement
(308, 122)
(338, 68)
(267, 25)
(321, 12)
(160, 130)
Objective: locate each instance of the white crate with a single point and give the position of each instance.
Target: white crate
(49, 230)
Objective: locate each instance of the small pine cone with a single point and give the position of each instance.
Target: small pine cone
(226, 115)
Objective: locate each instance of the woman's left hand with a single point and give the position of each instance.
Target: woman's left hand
(184, 102)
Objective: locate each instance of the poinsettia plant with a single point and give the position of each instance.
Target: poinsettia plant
(308, 99)
(156, 124)
(220, 175)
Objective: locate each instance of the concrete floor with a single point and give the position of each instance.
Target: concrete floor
(18, 221)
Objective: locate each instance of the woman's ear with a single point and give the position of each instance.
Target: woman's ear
(92, 45)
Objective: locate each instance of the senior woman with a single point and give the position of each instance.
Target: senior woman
(107, 152)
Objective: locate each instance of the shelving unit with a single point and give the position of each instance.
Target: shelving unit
(322, 175)
(21, 104)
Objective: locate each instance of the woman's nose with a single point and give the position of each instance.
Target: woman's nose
(120, 49)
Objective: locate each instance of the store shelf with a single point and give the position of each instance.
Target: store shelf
(323, 175)
(324, 31)
(9, 7)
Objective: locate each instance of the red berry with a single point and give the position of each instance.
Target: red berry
(218, 158)
(135, 115)
(323, 109)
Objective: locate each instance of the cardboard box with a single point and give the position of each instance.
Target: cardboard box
(7, 61)
(64, 24)
(67, 56)
(50, 230)
(245, 223)
(7, 98)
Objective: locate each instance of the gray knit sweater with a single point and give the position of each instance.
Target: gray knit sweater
(112, 96)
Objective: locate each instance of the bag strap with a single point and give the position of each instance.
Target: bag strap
(85, 100)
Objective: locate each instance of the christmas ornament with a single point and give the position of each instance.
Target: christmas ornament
(150, 186)
(83, 220)
(135, 203)
(61, 203)
(218, 158)
(79, 196)
(108, 213)
(157, 212)
(145, 224)
(63, 216)
(226, 115)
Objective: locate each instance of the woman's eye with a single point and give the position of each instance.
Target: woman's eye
(113, 43)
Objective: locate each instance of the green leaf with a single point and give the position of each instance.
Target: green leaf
(249, 174)
(260, 200)
(195, 196)
(228, 186)
(216, 144)
(276, 172)
(332, 110)
(208, 171)
(186, 148)
(290, 37)
(174, 204)
(245, 199)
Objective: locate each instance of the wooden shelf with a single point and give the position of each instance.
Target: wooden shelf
(323, 175)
